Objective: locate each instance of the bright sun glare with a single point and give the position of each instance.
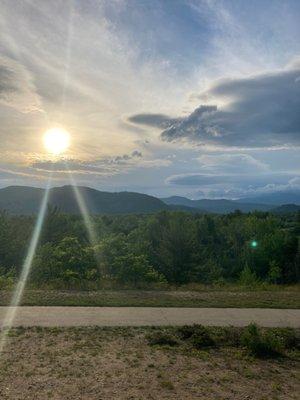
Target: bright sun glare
(56, 140)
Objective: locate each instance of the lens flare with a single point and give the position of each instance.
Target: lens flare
(84, 212)
(56, 140)
(18, 292)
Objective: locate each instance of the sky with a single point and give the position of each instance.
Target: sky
(197, 98)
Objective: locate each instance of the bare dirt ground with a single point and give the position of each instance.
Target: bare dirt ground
(119, 364)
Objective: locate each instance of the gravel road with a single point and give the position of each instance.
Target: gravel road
(145, 316)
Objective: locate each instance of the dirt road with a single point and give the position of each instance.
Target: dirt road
(147, 316)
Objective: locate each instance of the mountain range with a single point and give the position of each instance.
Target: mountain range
(221, 206)
(26, 200)
(266, 202)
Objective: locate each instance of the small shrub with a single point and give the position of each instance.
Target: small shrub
(248, 277)
(162, 339)
(199, 335)
(289, 337)
(202, 338)
(187, 331)
(230, 336)
(6, 281)
(261, 344)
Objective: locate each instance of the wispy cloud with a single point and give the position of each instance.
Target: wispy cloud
(17, 89)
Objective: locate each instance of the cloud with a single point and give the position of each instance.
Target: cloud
(104, 166)
(107, 166)
(125, 157)
(6, 81)
(261, 111)
(156, 120)
(196, 179)
(231, 163)
(16, 87)
(77, 166)
(234, 192)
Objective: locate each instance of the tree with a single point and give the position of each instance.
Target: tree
(248, 277)
(176, 249)
(274, 272)
(68, 261)
(135, 270)
(208, 273)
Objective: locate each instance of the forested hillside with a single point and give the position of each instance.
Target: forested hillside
(166, 247)
(27, 200)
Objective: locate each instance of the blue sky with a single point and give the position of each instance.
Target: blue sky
(177, 97)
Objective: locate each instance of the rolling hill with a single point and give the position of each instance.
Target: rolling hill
(286, 209)
(26, 200)
(275, 198)
(220, 206)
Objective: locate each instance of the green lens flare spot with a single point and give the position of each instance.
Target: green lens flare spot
(254, 243)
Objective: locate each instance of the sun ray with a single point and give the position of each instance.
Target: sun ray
(19, 290)
(84, 211)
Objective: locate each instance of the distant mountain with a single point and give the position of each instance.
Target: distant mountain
(275, 198)
(21, 199)
(179, 207)
(220, 206)
(180, 201)
(26, 200)
(286, 208)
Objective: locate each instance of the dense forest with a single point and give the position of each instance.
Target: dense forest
(164, 248)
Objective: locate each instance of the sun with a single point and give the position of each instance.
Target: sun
(56, 140)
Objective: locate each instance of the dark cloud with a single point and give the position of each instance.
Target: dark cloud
(263, 111)
(156, 120)
(137, 154)
(260, 111)
(124, 157)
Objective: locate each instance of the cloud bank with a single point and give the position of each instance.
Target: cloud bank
(254, 112)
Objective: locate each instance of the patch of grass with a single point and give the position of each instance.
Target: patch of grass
(203, 296)
(202, 339)
(187, 331)
(199, 336)
(162, 338)
(261, 344)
